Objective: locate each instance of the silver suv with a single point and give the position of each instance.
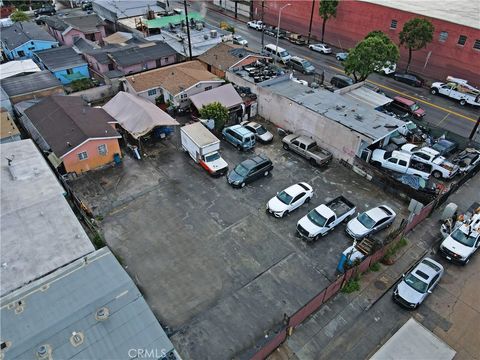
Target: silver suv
(302, 65)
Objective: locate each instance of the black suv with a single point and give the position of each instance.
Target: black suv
(45, 10)
(249, 170)
(341, 81)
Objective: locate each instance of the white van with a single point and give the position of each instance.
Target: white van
(279, 54)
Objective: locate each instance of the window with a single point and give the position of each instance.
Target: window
(476, 45)
(83, 155)
(208, 88)
(31, 48)
(69, 71)
(462, 39)
(152, 92)
(183, 96)
(393, 24)
(402, 163)
(102, 150)
(21, 53)
(443, 36)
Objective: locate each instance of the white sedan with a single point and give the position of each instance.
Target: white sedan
(321, 48)
(290, 199)
(262, 134)
(370, 222)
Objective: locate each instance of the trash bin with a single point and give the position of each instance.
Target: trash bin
(117, 158)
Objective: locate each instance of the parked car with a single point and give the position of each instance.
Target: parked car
(441, 167)
(307, 148)
(300, 64)
(249, 170)
(296, 39)
(386, 69)
(370, 222)
(46, 9)
(341, 56)
(457, 89)
(415, 286)
(405, 107)
(445, 146)
(271, 31)
(87, 5)
(321, 48)
(400, 162)
(262, 134)
(239, 137)
(289, 199)
(238, 40)
(300, 81)
(341, 81)
(324, 218)
(463, 242)
(278, 54)
(410, 79)
(256, 24)
(467, 159)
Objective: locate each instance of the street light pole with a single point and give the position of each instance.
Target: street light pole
(311, 20)
(263, 28)
(278, 27)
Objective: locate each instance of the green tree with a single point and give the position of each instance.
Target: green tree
(217, 112)
(18, 15)
(415, 35)
(326, 10)
(376, 50)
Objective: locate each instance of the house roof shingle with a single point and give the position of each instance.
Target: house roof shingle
(22, 32)
(85, 23)
(60, 58)
(20, 85)
(173, 78)
(65, 122)
(224, 55)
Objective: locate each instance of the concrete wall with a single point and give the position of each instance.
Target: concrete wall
(30, 47)
(97, 93)
(38, 94)
(73, 164)
(243, 8)
(95, 65)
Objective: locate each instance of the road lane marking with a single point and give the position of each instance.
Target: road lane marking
(444, 118)
(415, 98)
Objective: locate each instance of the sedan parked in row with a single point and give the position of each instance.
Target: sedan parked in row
(370, 222)
(262, 134)
(249, 170)
(290, 199)
(410, 79)
(321, 48)
(418, 284)
(238, 40)
(341, 56)
(300, 64)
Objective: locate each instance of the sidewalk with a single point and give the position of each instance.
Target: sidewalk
(352, 326)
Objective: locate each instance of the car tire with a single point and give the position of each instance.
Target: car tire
(463, 102)
(376, 164)
(286, 147)
(307, 200)
(466, 261)
(285, 213)
(433, 91)
(239, 147)
(437, 174)
(312, 162)
(338, 58)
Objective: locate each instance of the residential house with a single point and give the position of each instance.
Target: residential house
(122, 9)
(225, 56)
(80, 138)
(40, 232)
(174, 83)
(70, 28)
(64, 63)
(8, 130)
(88, 309)
(32, 86)
(132, 58)
(225, 95)
(20, 40)
(18, 67)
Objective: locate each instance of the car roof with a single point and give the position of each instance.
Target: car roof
(429, 151)
(252, 124)
(404, 100)
(254, 161)
(304, 139)
(425, 271)
(294, 190)
(240, 129)
(320, 44)
(298, 58)
(377, 213)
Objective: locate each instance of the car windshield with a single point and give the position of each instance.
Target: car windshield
(463, 238)
(284, 53)
(366, 220)
(284, 197)
(241, 170)
(414, 107)
(261, 130)
(212, 157)
(316, 218)
(416, 284)
(307, 64)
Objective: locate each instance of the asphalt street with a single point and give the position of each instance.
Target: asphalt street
(441, 112)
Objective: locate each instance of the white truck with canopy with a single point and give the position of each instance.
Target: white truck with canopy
(203, 147)
(457, 89)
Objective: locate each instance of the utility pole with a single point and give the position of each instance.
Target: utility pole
(263, 29)
(311, 20)
(474, 130)
(188, 29)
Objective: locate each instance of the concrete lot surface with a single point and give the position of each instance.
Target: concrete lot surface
(215, 268)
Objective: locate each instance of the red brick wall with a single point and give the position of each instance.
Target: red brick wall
(355, 19)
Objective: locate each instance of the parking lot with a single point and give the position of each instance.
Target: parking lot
(215, 268)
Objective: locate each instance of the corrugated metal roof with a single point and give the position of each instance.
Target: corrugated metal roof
(22, 32)
(13, 68)
(20, 85)
(60, 58)
(67, 301)
(225, 95)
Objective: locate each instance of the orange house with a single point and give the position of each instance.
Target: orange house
(80, 137)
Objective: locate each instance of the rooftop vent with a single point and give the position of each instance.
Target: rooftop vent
(44, 352)
(102, 314)
(205, 37)
(213, 33)
(358, 117)
(77, 338)
(199, 26)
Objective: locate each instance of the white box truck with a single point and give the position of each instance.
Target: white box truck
(203, 147)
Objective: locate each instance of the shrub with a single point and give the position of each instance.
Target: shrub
(375, 267)
(352, 285)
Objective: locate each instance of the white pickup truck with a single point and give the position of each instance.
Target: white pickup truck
(400, 162)
(441, 167)
(457, 89)
(256, 24)
(325, 218)
(203, 147)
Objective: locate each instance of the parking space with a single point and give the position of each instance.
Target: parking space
(208, 258)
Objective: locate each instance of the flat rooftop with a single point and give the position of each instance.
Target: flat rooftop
(352, 112)
(50, 310)
(462, 12)
(39, 230)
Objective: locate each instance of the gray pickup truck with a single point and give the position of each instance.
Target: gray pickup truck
(307, 148)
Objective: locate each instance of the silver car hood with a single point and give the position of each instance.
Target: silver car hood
(409, 294)
(356, 228)
(276, 205)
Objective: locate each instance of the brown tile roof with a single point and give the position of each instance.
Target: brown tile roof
(65, 122)
(7, 126)
(225, 55)
(173, 78)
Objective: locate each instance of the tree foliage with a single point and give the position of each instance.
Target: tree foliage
(18, 15)
(415, 35)
(217, 112)
(326, 10)
(376, 50)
